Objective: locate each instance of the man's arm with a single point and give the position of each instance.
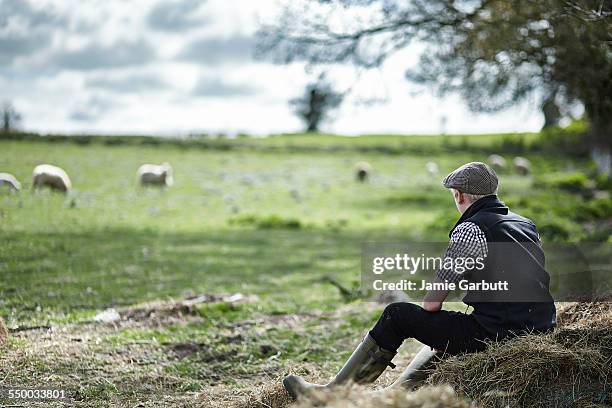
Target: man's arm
(435, 298)
(467, 241)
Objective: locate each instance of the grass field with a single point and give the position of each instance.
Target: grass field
(269, 221)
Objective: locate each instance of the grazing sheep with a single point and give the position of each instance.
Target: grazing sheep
(155, 175)
(10, 181)
(362, 171)
(497, 162)
(3, 331)
(46, 175)
(432, 168)
(522, 165)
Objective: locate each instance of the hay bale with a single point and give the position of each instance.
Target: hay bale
(271, 395)
(585, 314)
(361, 397)
(355, 396)
(567, 367)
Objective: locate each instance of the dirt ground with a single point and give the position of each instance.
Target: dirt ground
(85, 359)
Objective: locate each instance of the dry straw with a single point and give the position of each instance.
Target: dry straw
(567, 368)
(353, 396)
(3, 331)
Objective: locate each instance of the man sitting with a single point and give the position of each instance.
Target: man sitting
(511, 248)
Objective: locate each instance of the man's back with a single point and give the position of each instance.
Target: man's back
(514, 255)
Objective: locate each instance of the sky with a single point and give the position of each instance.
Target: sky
(180, 67)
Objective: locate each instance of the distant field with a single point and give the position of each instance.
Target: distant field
(309, 142)
(267, 223)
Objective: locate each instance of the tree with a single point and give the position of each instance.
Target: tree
(10, 117)
(494, 53)
(551, 112)
(316, 104)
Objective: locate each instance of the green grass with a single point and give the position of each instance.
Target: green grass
(269, 222)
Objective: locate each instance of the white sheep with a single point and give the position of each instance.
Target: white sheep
(155, 175)
(46, 175)
(10, 181)
(522, 165)
(432, 168)
(362, 171)
(497, 162)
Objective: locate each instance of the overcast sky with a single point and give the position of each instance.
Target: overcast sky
(183, 66)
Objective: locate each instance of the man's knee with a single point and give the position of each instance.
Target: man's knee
(400, 311)
(394, 325)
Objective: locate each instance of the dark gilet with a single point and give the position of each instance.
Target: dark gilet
(514, 255)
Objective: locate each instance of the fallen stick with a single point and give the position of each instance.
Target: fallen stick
(28, 328)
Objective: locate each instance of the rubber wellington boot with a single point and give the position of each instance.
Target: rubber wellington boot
(417, 371)
(365, 365)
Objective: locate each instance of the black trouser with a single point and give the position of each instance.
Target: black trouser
(449, 332)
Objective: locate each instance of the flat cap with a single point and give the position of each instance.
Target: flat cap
(473, 178)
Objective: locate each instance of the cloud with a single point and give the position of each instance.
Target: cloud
(91, 109)
(12, 47)
(128, 84)
(217, 51)
(175, 16)
(24, 30)
(216, 87)
(20, 12)
(109, 57)
(82, 116)
(97, 56)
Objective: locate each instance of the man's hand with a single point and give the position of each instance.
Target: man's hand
(432, 306)
(434, 299)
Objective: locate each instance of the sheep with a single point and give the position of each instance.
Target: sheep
(522, 165)
(3, 331)
(362, 171)
(497, 162)
(46, 175)
(155, 175)
(10, 181)
(432, 168)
